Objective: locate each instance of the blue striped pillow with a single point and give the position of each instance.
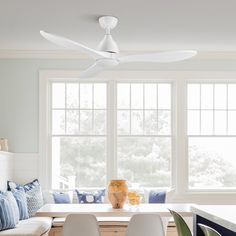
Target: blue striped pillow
(33, 194)
(9, 213)
(13, 203)
(22, 203)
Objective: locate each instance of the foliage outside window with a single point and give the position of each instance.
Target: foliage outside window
(211, 135)
(80, 128)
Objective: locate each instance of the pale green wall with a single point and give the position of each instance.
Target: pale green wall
(19, 93)
(19, 100)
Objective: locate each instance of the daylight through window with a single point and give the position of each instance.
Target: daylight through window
(211, 135)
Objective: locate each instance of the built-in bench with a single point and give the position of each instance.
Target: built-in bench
(35, 226)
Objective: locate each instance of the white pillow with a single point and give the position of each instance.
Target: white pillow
(48, 197)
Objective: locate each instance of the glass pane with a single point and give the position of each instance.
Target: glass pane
(136, 96)
(232, 122)
(193, 122)
(220, 122)
(150, 122)
(212, 163)
(86, 91)
(58, 122)
(207, 96)
(123, 96)
(100, 96)
(220, 96)
(123, 122)
(72, 95)
(150, 96)
(193, 96)
(56, 142)
(86, 122)
(164, 96)
(58, 95)
(164, 122)
(100, 122)
(72, 125)
(145, 161)
(207, 122)
(81, 161)
(232, 96)
(136, 122)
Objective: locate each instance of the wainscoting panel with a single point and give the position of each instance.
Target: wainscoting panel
(26, 167)
(6, 170)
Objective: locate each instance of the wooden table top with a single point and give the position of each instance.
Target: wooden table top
(106, 210)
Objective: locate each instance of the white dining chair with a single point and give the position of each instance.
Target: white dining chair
(81, 225)
(145, 225)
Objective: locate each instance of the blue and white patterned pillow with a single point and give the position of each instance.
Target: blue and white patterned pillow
(9, 213)
(12, 185)
(22, 203)
(33, 192)
(91, 197)
(34, 200)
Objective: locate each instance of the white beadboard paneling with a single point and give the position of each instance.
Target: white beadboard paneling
(25, 167)
(6, 170)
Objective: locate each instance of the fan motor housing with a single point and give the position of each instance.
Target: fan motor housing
(108, 22)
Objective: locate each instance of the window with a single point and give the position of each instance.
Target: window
(211, 135)
(157, 130)
(78, 134)
(144, 133)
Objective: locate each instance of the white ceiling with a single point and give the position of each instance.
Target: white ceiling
(204, 25)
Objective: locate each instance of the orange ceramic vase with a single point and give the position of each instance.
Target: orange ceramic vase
(117, 193)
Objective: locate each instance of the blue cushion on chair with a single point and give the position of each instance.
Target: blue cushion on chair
(157, 196)
(91, 197)
(61, 198)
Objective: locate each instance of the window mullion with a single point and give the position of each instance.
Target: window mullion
(111, 131)
(181, 163)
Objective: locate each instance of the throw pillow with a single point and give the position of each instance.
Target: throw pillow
(9, 213)
(33, 192)
(12, 185)
(22, 203)
(61, 198)
(34, 200)
(91, 197)
(48, 197)
(13, 203)
(157, 196)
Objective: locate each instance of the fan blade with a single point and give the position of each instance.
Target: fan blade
(69, 44)
(98, 66)
(91, 71)
(159, 57)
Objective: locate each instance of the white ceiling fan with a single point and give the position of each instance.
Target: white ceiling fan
(107, 54)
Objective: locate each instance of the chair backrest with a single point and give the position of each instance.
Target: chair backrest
(208, 231)
(81, 225)
(181, 225)
(145, 224)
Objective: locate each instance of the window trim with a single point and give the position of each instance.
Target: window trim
(213, 82)
(179, 80)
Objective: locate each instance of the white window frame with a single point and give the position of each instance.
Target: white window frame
(179, 80)
(206, 81)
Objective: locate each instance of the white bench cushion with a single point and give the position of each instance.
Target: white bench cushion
(34, 226)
